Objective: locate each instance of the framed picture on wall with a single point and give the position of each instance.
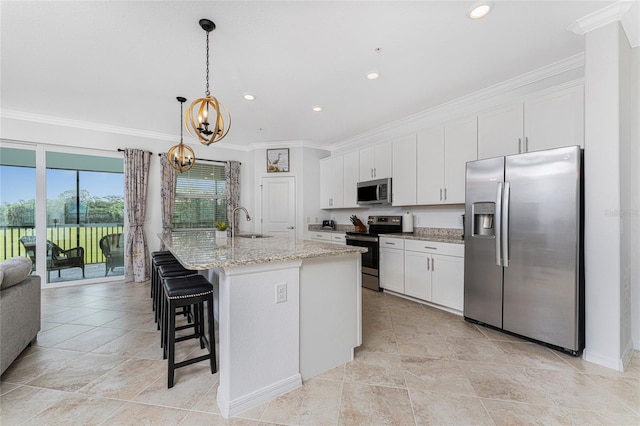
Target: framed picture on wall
(277, 160)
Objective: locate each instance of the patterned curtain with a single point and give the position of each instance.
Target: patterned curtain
(136, 175)
(232, 176)
(169, 177)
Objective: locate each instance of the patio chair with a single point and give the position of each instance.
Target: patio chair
(112, 248)
(57, 257)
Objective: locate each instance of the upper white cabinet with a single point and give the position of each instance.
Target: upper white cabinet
(460, 146)
(375, 162)
(545, 121)
(430, 165)
(404, 171)
(331, 182)
(441, 155)
(351, 176)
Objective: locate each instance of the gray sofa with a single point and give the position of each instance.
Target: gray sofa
(19, 308)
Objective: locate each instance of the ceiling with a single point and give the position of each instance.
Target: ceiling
(122, 63)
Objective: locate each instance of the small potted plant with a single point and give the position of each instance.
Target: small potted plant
(221, 230)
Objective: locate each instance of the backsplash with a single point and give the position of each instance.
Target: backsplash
(441, 233)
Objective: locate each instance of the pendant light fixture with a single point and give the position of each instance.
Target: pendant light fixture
(181, 156)
(207, 119)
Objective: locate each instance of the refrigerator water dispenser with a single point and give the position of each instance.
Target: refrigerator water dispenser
(483, 223)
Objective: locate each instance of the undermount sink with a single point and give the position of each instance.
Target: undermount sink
(252, 236)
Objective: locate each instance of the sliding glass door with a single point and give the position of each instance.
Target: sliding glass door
(17, 203)
(64, 211)
(85, 216)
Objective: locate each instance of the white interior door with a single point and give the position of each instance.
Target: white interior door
(279, 206)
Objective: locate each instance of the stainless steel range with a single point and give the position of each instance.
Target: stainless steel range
(371, 259)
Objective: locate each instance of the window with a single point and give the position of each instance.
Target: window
(201, 197)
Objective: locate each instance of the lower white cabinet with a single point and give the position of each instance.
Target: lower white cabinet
(425, 270)
(391, 264)
(328, 237)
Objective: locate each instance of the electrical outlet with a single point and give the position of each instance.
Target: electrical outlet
(281, 292)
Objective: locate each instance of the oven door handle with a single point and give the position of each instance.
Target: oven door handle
(365, 239)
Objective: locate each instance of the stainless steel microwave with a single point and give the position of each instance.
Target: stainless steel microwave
(374, 192)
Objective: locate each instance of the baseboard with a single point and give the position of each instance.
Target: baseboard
(627, 353)
(605, 361)
(253, 399)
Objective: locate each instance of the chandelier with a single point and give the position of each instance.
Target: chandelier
(181, 156)
(207, 120)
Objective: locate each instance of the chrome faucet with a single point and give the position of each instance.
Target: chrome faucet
(233, 215)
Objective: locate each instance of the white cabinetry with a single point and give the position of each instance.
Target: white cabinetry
(545, 121)
(404, 171)
(441, 156)
(331, 182)
(375, 162)
(351, 176)
(427, 270)
(328, 237)
(391, 267)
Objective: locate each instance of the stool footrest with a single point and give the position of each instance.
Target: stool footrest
(192, 361)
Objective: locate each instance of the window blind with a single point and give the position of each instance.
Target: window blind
(201, 197)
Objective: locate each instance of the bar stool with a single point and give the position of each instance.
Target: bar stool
(189, 291)
(167, 270)
(158, 258)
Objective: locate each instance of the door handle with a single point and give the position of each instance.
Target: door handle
(505, 225)
(428, 264)
(526, 144)
(445, 194)
(498, 222)
(290, 227)
(433, 264)
(519, 145)
(440, 194)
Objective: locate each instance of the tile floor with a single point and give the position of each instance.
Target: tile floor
(97, 361)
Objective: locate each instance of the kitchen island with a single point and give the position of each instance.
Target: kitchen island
(287, 310)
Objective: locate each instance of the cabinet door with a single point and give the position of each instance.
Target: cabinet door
(367, 158)
(404, 171)
(501, 131)
(382, 166)
(555, 120)
(331, 182)
(392, 269)
(460, 146)
(351, 175)
(447, 288)
(430, 165)
(417, 275)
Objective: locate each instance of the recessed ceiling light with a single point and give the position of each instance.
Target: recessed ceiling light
(249, 97)
(317, 108)
(480, 9)
(373, 75)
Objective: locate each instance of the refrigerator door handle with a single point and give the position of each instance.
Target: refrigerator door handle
(505, 225)
(498, 222)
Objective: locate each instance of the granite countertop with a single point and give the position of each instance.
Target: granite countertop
(200, 250)
(439, 235)
(456, 239)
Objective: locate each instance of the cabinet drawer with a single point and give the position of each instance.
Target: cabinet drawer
(338, 238)
(448, 249)
(394, 243)
(323, 236)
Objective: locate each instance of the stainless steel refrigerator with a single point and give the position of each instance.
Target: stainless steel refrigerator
(523, 265)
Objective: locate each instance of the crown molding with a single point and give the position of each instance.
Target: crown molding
(84, 125)
(615, 12)
(288, 144)
(556, 68)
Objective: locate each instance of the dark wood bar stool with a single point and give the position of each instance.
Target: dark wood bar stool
(193, 291)
(167, 270)
(158, 258)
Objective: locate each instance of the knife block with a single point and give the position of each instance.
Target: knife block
(359, 226)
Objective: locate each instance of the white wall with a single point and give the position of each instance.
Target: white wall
(95, 141)
(304, 165)
(634, 192)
